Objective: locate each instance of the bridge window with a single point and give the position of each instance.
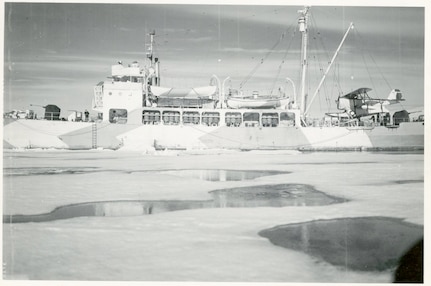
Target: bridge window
(251, 119)
(191, 117)
(151, 117)
(211, 118)
(270, 119)
(287, 118)
(171, 117)
(118, 116)
(233, 119)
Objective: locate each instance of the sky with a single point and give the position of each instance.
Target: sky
(54, 53)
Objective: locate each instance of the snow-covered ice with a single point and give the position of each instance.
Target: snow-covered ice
(214, 244)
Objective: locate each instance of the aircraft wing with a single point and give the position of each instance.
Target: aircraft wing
(356, 93)
(415, 110)
(374, 101)
(394, 107)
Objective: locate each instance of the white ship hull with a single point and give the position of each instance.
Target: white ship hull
(21, 133)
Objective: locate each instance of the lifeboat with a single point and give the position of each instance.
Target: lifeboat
(256, 102)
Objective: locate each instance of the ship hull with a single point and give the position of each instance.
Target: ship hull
(82, 135)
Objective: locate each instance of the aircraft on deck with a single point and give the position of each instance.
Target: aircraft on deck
(358, 103)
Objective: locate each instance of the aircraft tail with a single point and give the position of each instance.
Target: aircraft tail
(395, 94)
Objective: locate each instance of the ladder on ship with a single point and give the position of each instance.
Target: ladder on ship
(94, 135)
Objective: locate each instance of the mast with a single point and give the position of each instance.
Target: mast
(154, 62)
(327, 69)
(150, 47)
(302, 22)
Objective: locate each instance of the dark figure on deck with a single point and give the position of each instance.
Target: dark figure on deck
(87, 115)
(410, 268)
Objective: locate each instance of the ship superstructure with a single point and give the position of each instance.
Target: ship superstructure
(136, 112)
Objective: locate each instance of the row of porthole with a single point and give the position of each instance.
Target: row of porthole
(213, 118)
(208, 118)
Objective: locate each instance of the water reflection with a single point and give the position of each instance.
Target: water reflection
(222, 175)
(245, 197)
(109, 209)
(31, 171)
(280, 195)
(214, 175)
(402, 182)
(367, 244)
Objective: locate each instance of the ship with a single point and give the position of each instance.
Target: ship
(135, 112)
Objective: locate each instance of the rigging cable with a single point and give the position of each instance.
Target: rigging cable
(367, 69)
(263, 59)
(318, 62)
(283, 60)
(335, 73)
(375, 63)
(314, 52)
